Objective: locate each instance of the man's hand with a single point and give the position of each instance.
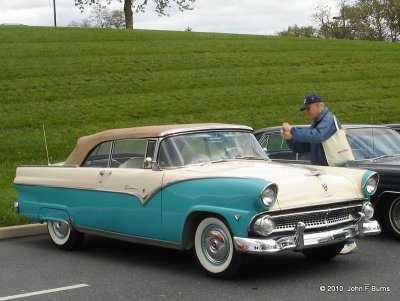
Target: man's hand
(285, 131)
(286, 127)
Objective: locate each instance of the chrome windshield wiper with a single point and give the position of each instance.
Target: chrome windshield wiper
(252, 158)
(218, 161)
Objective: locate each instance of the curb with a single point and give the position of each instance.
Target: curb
(22, 231)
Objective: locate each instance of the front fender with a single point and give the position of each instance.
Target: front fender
(235, 199)
(238, 220)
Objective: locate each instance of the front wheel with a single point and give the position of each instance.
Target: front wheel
(392, 217)
(63, 235)
(324, 253)
(214, 249)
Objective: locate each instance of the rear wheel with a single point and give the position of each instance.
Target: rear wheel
(214, 249)
(63, 235)
(392, 217)
(324, 253)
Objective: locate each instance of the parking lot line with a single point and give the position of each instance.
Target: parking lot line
(54, 290)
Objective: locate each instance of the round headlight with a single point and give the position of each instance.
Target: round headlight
(264, 225)
(368, 210)
(269, 194)
(371, 184)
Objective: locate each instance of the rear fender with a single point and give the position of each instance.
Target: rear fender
(51, 214)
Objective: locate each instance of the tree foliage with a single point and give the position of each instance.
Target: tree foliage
(362, 20)
(139, 6)
(298, 31)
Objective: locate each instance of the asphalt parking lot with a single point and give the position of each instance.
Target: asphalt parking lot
(105, 269)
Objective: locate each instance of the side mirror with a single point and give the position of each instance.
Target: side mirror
(148, 163)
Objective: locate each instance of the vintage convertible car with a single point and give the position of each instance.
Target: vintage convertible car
(374, 147)
(207, 187)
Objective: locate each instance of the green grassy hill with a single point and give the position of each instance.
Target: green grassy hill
(80, 81)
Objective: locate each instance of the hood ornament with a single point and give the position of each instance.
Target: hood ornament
(315, 172)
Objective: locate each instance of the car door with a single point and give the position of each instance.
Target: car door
(128, 201)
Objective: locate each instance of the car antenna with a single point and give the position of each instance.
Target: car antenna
(282, 133)
(45, 143)
(373, 139)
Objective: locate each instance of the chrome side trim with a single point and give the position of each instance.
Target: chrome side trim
(143, 200)
(52, 165)
(300, 240)
(147, 198)
(130, 238)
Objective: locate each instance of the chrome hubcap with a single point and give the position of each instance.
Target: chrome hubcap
(61, 229)
(215, 245)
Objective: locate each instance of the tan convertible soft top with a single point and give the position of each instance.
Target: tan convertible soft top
(85, 144)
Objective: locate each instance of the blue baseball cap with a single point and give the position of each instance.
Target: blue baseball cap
(310, 99)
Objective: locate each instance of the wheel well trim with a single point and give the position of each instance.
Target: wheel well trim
(385, 193)
(193, 219)
(53, 214)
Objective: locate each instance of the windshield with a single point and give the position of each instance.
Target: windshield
(369, 143)
(208, 147)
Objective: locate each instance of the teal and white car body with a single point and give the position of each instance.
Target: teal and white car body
(209, 187)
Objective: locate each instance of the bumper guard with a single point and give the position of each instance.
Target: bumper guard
(300, 240)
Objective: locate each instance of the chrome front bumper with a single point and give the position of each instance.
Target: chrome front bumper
(300, 240)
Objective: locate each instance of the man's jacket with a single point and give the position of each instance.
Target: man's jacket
(310, 139)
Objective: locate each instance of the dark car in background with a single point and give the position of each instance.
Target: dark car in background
(375, 148)
(395, 126)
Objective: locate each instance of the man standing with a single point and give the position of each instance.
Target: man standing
(309, 140)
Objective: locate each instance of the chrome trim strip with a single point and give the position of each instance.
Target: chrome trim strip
(387, 191)
(222, 127)
(300, 240)
(143, 201)
(330, 209)
(130, 238)
(52, 165)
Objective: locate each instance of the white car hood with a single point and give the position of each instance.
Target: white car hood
(298, 187)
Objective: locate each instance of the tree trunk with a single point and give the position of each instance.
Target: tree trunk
(128, 14)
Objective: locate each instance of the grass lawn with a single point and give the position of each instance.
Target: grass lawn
(79, 81)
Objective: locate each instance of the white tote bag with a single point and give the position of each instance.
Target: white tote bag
(337, 148)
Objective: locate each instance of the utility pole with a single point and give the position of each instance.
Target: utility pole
(342, 18)
(55, 18)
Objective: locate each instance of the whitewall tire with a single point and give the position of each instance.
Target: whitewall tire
(214, 248)
(63, 235)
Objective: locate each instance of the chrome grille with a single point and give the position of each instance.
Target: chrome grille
(317, 218)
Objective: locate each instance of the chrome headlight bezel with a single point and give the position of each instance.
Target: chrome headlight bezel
(368, 210)
(370, 185)
(269, 195)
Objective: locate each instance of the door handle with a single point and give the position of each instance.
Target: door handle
(103, 172)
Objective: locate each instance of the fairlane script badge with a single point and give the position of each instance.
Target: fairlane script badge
(325, 186)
